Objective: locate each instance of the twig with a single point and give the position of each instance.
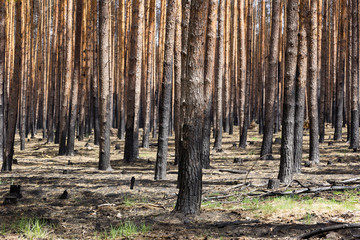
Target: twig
(328, 229)
(233, 171)
(106, 204)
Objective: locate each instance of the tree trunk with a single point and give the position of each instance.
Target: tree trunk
(324, 51)
(354, 78)
(14, 93)
(249, 54)
(2, 74)
(165, 100)
(177, 79)
(270, 86)
(133, 98)
(75, 80)
(300, 85)
(104, 85)
(219, 78)
(287, 139)
(190, 185)
(68, 77)
(313, 84)
(209, 76)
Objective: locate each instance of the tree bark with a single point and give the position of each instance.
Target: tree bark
(2, 74)
(354, 78)
(133, 98)
(165, 100)
(219, 78)
(300, 85)
(104, 85)
(270, 86)
(287, 139)
(249, 55)
(177, 78)
(190, 185)
(14, 93)
(68, 77)
(313, 84)
(209, 76)
(75, 80)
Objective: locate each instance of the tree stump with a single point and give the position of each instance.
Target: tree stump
(238, 160)
(330, 144)
(117, 146)
(10, 200)
(308, 164)
(132, 183)
(273, 184)
(15, 190)
(15, 161)
(277, 141)
(329, 163)
(65, 195)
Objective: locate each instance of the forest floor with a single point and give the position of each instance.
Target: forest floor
(101, 205)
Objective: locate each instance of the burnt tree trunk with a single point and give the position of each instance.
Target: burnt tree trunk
(104, 85)
(313, 84)
(300, 86)
(287, 139)
(271, 81)
(165, 99)
(209, 75)
(14, 93)
(2, 75)
(190, 185)
(133, 99)
(219, 78)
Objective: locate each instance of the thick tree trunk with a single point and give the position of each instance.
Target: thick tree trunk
(219, 78)
(300, 85)
(165, 100)
(14, 93)
(190, 185)
(287, 139)
(270, 86)
(313, 84)
(133, 98)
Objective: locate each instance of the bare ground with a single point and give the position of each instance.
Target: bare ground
(99, 199)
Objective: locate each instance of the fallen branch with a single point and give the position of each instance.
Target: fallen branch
(219, 197)
(308, 190)
(225, 224)
(234, 171)
(347, 181)
(106, 204)
(328, 229)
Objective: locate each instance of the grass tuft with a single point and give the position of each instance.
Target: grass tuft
(33, 228)
(123, 230)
